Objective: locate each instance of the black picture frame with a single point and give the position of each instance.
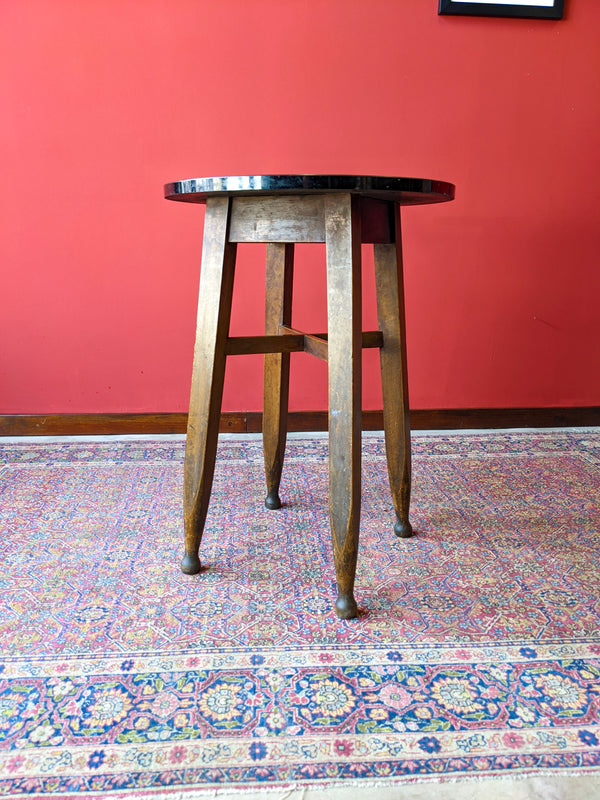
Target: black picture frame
(530, 10)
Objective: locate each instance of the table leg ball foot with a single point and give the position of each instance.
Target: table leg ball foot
(190, 564)
(272, 501)
(345, 607)
(403, 529)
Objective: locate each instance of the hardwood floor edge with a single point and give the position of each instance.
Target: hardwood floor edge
(250, 422)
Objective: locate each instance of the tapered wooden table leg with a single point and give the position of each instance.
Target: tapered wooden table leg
(214, 310)
(278, 311)
(394, 375)
(342, 237)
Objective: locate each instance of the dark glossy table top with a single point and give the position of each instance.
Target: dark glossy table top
(407, 191)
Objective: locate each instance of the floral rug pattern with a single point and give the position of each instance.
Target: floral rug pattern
(477, 650)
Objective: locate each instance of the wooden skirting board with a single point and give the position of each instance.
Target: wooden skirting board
(250, 421)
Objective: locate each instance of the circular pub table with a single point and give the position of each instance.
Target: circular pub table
(343, 212)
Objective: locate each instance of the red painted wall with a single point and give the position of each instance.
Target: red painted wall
(105, 100)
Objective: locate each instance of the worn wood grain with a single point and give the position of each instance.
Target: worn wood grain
(275, 343)
(278, 315)
(278, 219)
(343, 245)
(394, 375)
(214, 310)
(316, 344)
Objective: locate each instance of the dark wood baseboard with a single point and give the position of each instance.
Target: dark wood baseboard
(250, 422)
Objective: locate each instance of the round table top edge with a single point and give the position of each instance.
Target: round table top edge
(399, 189)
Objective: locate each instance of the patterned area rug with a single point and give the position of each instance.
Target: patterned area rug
(477, 651)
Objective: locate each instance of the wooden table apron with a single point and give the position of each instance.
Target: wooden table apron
(343, 212)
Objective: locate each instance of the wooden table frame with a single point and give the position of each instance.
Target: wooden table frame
(343, 221)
